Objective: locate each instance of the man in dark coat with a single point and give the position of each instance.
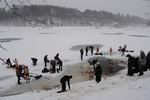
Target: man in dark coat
(130, 65)
(63, 81)
(34, 61)
(94, 63)
(92, 48)
(8, 62)
(60, 64)
(58, 61)
(19, 74)
(142, 62)
(53, 64)
(136, 65)
(57, 57)
(98, 73)
(46, 60)
(148, 60)
(86, 50)
(81, 52)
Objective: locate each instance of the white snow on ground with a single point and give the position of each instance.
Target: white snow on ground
(37, 42)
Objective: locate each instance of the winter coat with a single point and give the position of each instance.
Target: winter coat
(98, 72)
(148, 59)
(26, 71)
(81, 51)
(142, 61)
(19, 70)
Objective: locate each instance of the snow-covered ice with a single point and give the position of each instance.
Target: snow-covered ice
(39, 41)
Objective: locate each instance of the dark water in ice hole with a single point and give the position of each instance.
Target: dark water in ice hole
(9, 39)
(112, 33)
(141, 36)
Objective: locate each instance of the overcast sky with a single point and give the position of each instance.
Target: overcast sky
(132, 7)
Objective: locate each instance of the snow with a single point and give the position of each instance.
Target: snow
(39, 41)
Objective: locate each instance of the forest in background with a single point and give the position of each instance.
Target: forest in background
(38, 15)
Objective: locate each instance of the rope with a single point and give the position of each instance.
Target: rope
(38, 74)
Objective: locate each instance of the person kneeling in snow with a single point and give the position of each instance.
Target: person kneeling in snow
(34, 61)
(63, 81)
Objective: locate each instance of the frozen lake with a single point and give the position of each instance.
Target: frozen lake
(26, 42)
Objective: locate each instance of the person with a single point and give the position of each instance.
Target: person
(81, 52)
(60, 64)
(86, 50)
(34, 61)
(53, 64)
(97, 50)
(45, 70)
(57, 57)
(130, 65)
(123, 51)
(92, 48)
(58, 61)
(98, 72)
(19, 74)
(94, 62)
(110, 50)
(18, 70)
(120, 49)
(26, 74)
(63, 80)
(125, 46)
(46, 60)
(142, 62)
(8, 62)
(148, 60)
(136, 65)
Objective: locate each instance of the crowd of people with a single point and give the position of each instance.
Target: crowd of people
(122, 50)
(137, 64)
(22, 71)
(53, 64)
(87, 49)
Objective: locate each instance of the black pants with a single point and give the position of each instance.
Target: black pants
(18, 76)
(45, 63)
(60, 67)
(34, 63)
(81, 57)
(98, 78)
(141, 68)
(63, 86)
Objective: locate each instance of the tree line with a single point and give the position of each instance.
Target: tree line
(26, 15)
